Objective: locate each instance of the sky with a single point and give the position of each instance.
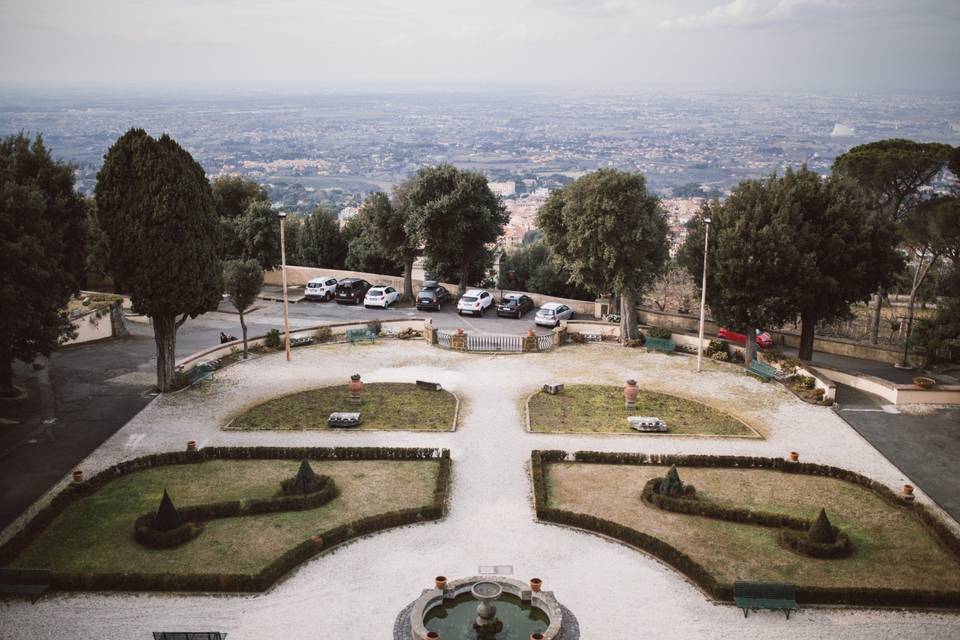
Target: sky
(332, 45)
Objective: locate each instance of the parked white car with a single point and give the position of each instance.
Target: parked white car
(380, 296)
(322, 288)
(551, 313)
(474, 302)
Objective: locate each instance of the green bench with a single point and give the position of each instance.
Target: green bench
(660, 344)
(776, 596)
(202, 371)
(761, 370)
(24, 582)
(360, 335)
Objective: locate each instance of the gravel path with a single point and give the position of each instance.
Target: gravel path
(615, 591)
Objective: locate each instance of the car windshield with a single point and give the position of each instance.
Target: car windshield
(468, 299)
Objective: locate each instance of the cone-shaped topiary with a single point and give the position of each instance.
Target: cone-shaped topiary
(167, 518)
(306, 480)
(822, 531)
(671, 485)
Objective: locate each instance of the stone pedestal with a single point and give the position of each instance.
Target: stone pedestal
(458, 342)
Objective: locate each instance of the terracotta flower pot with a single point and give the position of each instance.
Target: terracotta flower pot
(433, 635)
(536, 584)
(531, 333)
(441, 582)
(78, 475)
(794, 456)
(630, 392)
(355, 386)
(191, 445)
(908, 489)
(536, 636)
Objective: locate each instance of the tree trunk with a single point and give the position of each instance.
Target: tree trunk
(808, 324)
(165, 335)
(875, 325)
(750, 344)
(6, 375)
(628, 317)
(408, 280)
(464, 273)
(243, 328)
(918, 276)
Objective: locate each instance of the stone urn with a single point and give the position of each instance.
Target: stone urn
(794, 456)
(78, 476)
(630, 392)
(356, 388)
(908, 490)
(536, 584)
(191, 445)
(440, 582)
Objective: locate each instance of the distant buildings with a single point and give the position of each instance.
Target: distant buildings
(503, 189)
(679, 211)
(346, 213)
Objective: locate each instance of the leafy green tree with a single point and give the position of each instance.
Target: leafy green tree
(536, 269)
(291, 239)
(454, 216)
(232, 196)
(97, 260)
(893, 172)
(362, 254)
(612, 235)
(242, 282)
(259, 235)
(383, 223)
(157, 209)
(321, 244)
(39, 215)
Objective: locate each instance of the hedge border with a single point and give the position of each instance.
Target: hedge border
(798, 542)
(695, 572)
(263, 580)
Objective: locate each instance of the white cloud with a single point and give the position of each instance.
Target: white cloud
(760, 13)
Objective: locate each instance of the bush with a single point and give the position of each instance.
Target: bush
(805, 382)
(800, 542)
(272, 339)
(774, 356)
(146, 534)
(374, 327)
(718, 346)
(323, 334)
(720, 356)
(789, 365)
(660, 333)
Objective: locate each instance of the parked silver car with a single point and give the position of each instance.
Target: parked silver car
(551, 313)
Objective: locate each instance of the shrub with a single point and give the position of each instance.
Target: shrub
(720, 356)
(306, 481)
(805, 382)
(790, 365)
(272, 339)
(323, 334)
(718, 346)
(660, 333)
(577, 338)
(774, 355)
(374, 327)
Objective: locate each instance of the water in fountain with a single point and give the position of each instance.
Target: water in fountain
(455, 619)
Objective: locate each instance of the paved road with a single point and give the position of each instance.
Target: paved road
(926, 448)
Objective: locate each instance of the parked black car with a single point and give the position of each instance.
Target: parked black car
(351, 291)
(432, 295)
(514, 305)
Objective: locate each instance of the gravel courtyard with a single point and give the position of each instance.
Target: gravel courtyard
(615, 591)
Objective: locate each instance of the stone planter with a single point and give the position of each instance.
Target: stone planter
(908, 490)
(536, 584)
(440, 582)
(794, 456)
(924, 382)
(630, 393)
(191, 445)
(356, 388)
(78, 475)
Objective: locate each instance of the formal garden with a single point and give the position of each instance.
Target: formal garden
(838, 536)
(594, 408)
(388, 406)
(224, 518)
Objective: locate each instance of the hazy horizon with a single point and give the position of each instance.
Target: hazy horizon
(620, 46)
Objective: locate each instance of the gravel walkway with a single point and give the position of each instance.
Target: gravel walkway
(615, 591)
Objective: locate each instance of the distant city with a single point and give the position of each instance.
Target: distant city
(333, 150)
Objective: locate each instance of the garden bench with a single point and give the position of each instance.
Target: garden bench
(24, 582)
(761, 370)
(776, 596)
(202, 371)
(666, 345)
(359, 335)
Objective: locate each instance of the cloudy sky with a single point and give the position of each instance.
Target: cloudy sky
(762, 45)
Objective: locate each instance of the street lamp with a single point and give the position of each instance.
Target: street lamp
(703, 291)
(283, 270)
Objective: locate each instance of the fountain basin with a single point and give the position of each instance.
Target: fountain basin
(451, 612)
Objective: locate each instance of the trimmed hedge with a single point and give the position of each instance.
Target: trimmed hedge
(859, 596)
(320, 543)
(145, 533)
(799, 542)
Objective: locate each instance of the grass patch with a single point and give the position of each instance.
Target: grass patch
(95, 534)
(892, 549)
(594, 408)
(385, 405)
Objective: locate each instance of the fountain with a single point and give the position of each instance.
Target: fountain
(486, 608)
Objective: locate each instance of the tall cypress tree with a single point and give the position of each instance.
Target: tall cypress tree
(157, 209)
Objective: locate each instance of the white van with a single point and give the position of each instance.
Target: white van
(322, 288)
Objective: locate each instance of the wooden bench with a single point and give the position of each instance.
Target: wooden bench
(660, 344)
(776, 596)
(24, 582)
(360, 335)
(761, 370)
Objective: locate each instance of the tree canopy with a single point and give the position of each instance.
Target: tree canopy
(258, 235)
(41, 222)
(610, 233)
(157, 209)
(382, 222)
(454, 215)
(321, 244)
(536, 269)
(242, 282)
(232, 197)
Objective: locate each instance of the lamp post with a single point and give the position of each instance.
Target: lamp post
(703, 291)
(283, 271)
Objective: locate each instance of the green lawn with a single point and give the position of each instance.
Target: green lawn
(385, 405)
(594, 408)
(95, 534)
(891, 546)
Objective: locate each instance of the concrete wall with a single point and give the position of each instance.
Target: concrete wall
(896, 394)
(90, 327)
